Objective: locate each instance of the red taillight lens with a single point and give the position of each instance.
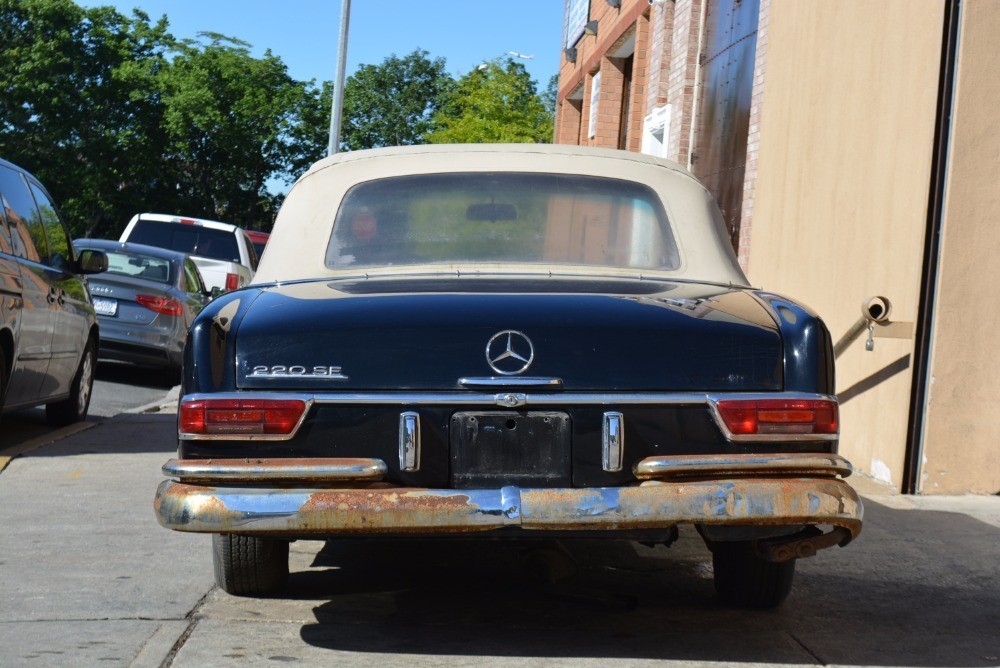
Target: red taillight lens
(779, 416)
(232, 281)
(160, 304)
(241, 416)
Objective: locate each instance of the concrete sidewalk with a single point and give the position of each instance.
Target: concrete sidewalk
(88, 577)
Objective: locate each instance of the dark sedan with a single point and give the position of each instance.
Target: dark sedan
(145, 302)
(508, 341)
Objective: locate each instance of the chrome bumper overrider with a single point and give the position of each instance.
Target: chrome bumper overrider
(715, 490)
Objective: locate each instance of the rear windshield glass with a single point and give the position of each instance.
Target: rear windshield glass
(502, 218)
(190, 239)
(139, 265)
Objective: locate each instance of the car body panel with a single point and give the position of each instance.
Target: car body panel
(48, 317)
(677, 338)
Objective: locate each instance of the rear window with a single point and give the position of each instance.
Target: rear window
(517, 218)
(185, 238)
(140, 265)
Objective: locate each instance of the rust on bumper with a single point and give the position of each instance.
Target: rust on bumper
(382, 510)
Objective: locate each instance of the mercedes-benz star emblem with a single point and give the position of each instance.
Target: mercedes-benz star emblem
(509, 352)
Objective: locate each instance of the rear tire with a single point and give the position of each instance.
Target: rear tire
(743, 579)
(249, 566)
(74, 408)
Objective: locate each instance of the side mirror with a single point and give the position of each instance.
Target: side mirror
(216, 291)
(92, 261)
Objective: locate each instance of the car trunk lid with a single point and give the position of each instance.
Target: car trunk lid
(591, 336)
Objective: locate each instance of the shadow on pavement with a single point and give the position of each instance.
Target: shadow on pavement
(147, 432)
(133, 374)
(918, 588)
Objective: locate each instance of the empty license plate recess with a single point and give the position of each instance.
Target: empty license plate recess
(522, 448)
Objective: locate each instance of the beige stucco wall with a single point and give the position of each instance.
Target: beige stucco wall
(846, 136)
(960, 445)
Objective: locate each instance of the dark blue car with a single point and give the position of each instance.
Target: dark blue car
(513, 342)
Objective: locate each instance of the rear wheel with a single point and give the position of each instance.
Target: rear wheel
(249, 566)
(742, 578)
(74, 408)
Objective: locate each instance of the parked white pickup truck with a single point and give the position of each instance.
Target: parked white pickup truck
(224, 254)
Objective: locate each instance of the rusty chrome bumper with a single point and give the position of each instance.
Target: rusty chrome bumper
(739, 490)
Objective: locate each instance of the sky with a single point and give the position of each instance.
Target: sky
(303, 33)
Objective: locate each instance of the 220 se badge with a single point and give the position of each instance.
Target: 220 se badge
(541, 340)
(329, 372)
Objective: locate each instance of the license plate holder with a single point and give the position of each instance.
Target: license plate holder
(105, 306)
(522, 448)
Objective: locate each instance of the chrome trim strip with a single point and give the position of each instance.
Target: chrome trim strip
(462, 398)
(742, 466)
(278, 469)
(488, 382)
(507, 400)
(374, 510)
(612, 442)
(713, 404)
(409, 441)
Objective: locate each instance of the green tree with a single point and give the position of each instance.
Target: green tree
(231, 121)
(496, 102)
(551, 94)
(80, 107)
(393, 104)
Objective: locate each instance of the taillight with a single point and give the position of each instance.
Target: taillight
(160, 304)
(232, 281)
(241, 416)
(746, 417)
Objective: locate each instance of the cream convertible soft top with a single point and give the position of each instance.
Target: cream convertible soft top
(297, 247)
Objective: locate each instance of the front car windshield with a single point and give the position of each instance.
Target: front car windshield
(140, 265)
(502, 217)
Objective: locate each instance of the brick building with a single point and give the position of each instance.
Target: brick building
(852, 148)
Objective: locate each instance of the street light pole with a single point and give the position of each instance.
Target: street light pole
(338, 86)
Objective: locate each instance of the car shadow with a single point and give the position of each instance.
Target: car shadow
(134, 434)
(918, 588)
(133, 374)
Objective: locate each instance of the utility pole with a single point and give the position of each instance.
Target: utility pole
(338, 86)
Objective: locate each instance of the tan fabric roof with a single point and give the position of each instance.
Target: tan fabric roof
(297, 247)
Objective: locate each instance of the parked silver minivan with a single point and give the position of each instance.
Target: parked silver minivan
(48, 330)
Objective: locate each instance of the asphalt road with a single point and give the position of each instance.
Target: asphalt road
(87, 577)
(117, 388)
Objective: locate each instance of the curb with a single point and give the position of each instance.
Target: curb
(167, 402)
